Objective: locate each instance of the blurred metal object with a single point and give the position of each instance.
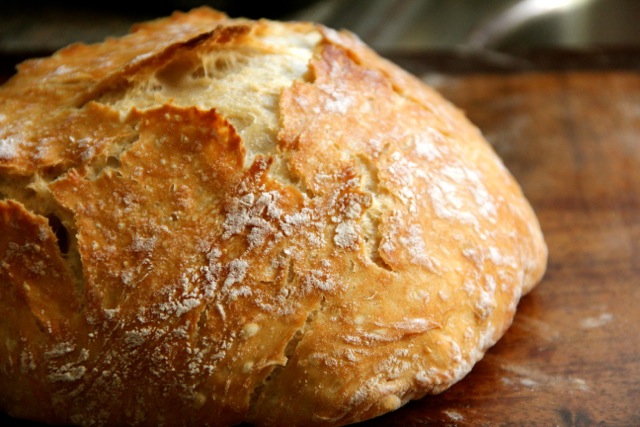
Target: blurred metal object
(516, 15)
(404, 25)
(560, 23)
(418, 25)
(38, 27)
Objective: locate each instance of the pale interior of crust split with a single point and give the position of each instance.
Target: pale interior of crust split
(242, 82)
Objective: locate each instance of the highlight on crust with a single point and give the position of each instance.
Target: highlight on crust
(212, 221)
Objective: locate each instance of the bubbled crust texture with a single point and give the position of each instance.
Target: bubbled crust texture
(320, 247)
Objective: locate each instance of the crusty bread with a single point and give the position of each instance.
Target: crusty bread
(215, 220)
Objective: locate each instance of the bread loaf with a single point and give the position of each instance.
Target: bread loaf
(212, 221)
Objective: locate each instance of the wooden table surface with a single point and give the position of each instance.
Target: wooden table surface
(572, 355)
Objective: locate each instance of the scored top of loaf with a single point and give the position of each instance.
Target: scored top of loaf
(216, 220)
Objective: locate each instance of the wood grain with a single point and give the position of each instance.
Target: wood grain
(572, 356)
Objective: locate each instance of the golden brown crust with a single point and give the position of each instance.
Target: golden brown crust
(263, 221)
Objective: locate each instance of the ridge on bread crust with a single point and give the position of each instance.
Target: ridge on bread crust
(217, 220)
